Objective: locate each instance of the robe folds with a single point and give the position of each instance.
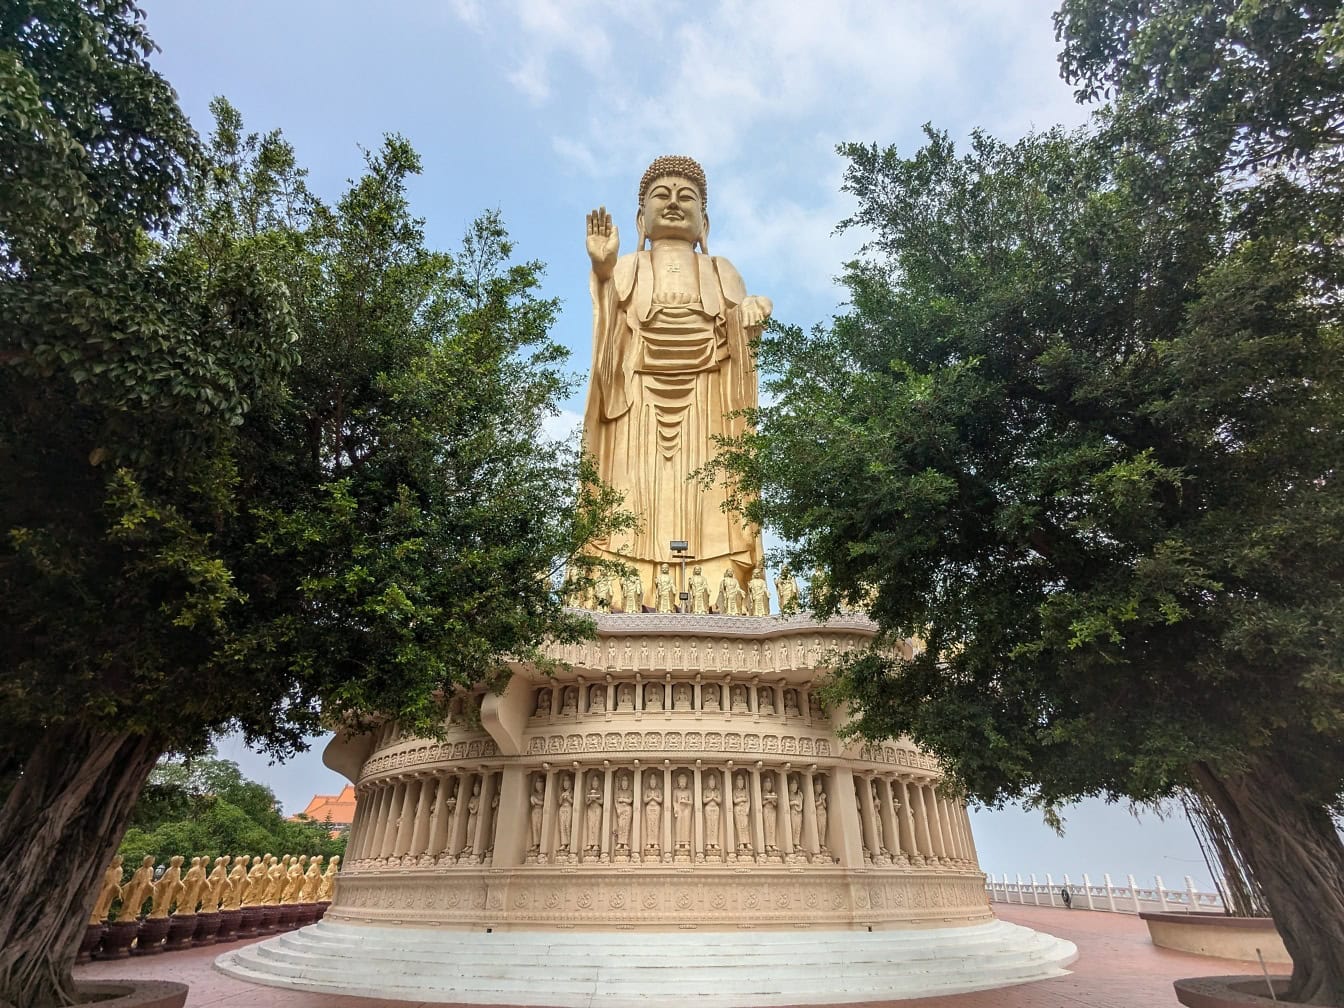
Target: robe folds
(665, 377)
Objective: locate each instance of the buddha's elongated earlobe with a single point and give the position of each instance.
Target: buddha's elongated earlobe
(639, 229)
(704, 237)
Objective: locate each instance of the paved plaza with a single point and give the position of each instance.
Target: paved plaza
(1117, 967)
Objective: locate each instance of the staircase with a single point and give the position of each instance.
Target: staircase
(657, 970)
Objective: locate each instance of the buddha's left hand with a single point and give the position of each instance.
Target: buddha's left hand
(755, 310)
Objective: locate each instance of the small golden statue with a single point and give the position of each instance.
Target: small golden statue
(108, 890)
(168, 889)
(137, 889)
(329, 879)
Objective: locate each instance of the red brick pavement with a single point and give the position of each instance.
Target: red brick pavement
(1117, 967)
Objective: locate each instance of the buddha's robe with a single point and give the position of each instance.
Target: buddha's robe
(665, 376)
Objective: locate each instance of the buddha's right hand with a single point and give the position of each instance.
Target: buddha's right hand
(603, 242)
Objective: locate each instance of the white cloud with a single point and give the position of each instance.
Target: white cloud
(564, 426)
(762, 92)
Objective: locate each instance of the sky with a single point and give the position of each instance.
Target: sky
(545, 109)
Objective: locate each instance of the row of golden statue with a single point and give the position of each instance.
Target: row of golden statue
(236, 897)
(731, 600)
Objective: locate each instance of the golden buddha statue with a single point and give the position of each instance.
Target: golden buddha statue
(672, 331)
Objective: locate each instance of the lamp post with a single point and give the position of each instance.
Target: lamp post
(679, 548)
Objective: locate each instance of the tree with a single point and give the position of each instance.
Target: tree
(265, 463)
(1082, 431)
(205, 806)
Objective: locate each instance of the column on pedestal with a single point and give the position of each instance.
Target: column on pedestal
(457, 820)
(637, 813)
(757, 830)
(608, 813)
(698, 852)
(490, 797)
(423, 808)
(906, 823)
(359, 830)
(812, 840)
(970, 838)
(387, 840)
(935, 822)
(863, 801)
(668, 850)
(890, 826)
(406, 821)
(846, 831)
(924, 837)
(953, 808)
(441, 817)
(576, 820)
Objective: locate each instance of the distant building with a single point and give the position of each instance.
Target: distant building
(339, 808)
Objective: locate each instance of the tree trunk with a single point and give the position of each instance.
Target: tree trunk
(59, 828)
(1294, 851)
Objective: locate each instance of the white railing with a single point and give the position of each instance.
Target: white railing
(1089, 895)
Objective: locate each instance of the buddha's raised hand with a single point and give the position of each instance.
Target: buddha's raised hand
(603, 242)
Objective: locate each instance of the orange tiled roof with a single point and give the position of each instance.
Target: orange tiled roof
(340, 807)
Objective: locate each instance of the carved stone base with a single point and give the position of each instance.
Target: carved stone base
(655, 896)
(181, 928)
(266, 920)
(93, 936)
(229, 920)
(249, 921)
(207, 928)
(117, 940)
(153, 930)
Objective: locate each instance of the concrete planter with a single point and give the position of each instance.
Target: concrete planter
(1218, 936)
(132, 993)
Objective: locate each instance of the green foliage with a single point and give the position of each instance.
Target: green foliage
(266, 464)
(206, 807)
(1082, 428)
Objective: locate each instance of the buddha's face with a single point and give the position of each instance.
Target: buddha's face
(664, 568)
(673, 209)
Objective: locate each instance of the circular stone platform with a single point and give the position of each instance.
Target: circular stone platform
(654, 970)
(673, 813)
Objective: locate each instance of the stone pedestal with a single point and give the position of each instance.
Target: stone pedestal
(249, 921)
(181, 929)
(266, 920)
(207, 927)
(93, 936)
(153, 930)
(117, 940)
(229, 921)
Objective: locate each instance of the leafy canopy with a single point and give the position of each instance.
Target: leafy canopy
(1082, 424)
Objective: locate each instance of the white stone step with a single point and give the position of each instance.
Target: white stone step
(653, 970)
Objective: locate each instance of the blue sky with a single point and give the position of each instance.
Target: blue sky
(544, 109)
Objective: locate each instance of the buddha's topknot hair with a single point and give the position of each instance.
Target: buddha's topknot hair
(675, 164)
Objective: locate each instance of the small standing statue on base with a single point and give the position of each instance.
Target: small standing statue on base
(109, 889)
(566, 813)
(786, 587)
(758, 595)
(731, 596)
(698, 588)
(665, 590)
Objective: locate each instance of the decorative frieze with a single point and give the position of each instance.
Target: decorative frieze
(527, 897)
